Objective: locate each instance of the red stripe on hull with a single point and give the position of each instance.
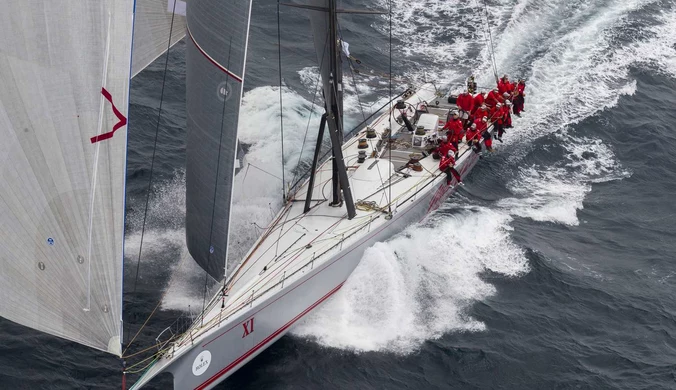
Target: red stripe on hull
(267, 340)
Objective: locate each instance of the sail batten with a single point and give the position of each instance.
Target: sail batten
(62, 196)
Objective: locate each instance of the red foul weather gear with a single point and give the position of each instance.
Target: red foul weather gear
(453, 124)
(491, 98)
(455, 135)
(493, 114)
(480, 113)
(488, 141)
(471, 134)
(465, 102)
(505, 86)
(478, 101)
(519, 98)
(446, 165)
(481, 126)
(444, 148)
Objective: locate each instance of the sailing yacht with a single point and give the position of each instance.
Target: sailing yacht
(63, 178)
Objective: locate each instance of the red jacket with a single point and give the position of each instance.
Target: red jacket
(446, 162)
(452, 125)
(501, 114)
(492, 98)
(478, 101)
(493, 116)
(465, 102)
(471, 134)
(505, 87)
(482, 113)
(481, 126)
(444, 148)
(455, 135)
(520, 88)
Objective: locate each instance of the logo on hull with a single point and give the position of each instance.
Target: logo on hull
(201, 363)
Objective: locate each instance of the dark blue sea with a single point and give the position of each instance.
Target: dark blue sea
(554, 267)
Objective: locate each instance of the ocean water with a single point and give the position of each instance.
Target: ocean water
(552, 268)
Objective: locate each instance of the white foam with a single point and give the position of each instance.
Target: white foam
(555, 193)
(419, 285)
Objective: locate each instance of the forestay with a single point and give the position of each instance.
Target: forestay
(64, 76)
(152, 25)
(216, 51)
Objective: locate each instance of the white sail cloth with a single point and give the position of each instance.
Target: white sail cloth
(152, 24)
(64, 77)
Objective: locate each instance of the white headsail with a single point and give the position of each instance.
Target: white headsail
(152, 25)
(64, 78)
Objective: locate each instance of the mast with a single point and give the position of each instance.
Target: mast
(324, 20)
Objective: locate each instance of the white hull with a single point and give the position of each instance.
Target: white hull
(244, 324)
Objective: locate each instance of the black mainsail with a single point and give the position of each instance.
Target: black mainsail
(217, 37)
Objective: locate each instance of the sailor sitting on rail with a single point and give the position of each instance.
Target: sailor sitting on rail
(444, 148)
(447, 165)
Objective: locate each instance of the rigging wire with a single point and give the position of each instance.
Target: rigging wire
(312, 110)
(213, 205)
(281, 112)
(152, 160)
(389, 133)
(354, 81)
(490, 41)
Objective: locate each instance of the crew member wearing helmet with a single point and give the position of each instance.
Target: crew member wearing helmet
(465, 103)
(505, 86)
(519, 97)
(492, 98)
(454, 129)
(447, 165)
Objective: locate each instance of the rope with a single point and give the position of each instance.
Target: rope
(152, 161)
(264, 171)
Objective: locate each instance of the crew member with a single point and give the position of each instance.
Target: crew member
(487, 140)
(471, 84)
(454, 129)
(447, 165)
(465, 102)
(492, 98)
(499, 118)
(444, 148)
(504, 85)
(478, 101)
(508, 115)
(482, 112)
(472, 138)
(519, 95)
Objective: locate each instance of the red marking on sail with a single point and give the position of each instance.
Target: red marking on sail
(122, 120)
(213, 61)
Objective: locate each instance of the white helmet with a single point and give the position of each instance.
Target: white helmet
(507, 102)
(498, 105)
(474, 125)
